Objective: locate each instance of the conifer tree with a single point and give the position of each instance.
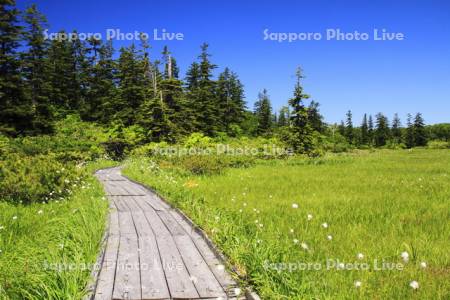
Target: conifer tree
(396, 129)
(230, 93)
(349, 131)
(370, 130)
(382, 133)
(314, 117)
(15, 111)
(409, 134)
(263, 112)
(364, 131)
(283, 116)
(35, 69)
(420, 135)
(302, 132)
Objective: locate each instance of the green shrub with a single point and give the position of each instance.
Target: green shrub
(39, 178)
(438, 145)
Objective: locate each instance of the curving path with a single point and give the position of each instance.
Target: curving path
(153, 252)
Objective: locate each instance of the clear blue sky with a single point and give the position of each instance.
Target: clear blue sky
(365, 76)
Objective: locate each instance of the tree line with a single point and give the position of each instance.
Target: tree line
(42, 81)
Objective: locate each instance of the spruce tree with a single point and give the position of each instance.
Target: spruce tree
(382, 133)
(314, 117)
(230, 93)
(420, 135)
(283, 117)
(364, 131)
(35, 69)
(15, 110)
(409, 134)
(370, 130)
(349, 131)
(396, 129)
(301, 130)
(263, 112)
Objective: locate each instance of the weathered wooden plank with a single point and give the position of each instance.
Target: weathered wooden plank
(113, 223)
(126, 225)
(132, 205)
(127, 283)
(171, 223)
(177, 277)
(141, 224)
(153, 280)
(209, 256)
(105, 282)
(204, 280)
(120, 204)
(132, 188)
(154, 202)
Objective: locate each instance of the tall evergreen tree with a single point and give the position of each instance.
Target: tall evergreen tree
(370, 130)
(396, 129)
(364, 131)
(382, 133)
(230, 93)
(283, 116)
(302, 132)
(36, 71)
(349, 131)
(132, 89)
(314, 117)
(420, 135)
(409, 134)
(263, 111)
(15, 111)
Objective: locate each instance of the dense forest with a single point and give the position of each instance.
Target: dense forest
(43, 81)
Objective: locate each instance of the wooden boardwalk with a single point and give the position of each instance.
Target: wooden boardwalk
(152, 252)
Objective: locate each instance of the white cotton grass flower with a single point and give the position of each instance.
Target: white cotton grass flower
(405, 256)
(325, 225)
(240, 210)
(304, 246)
(261, 225)
(358, 284)
(295, 241)
(40, 212)
(291, 230)
(294, 205)
(414, 285)
(245, 203)
(14, 218)
(360, 256)
(423, 265)
(329, 237)
(2, 227)
(310, 217)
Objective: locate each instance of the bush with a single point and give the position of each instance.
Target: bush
(438, 145)
(39, 178)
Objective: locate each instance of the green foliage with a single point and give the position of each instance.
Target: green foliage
(39, 178)
(437, 144)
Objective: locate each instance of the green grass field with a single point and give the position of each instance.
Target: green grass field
(372, 205)
(47, 251)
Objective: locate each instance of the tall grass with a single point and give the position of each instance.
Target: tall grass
(48, 250)
(365, 210)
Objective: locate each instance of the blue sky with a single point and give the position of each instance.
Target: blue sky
(411, 75)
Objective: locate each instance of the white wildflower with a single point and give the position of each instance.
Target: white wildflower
(329, 237)
(237, 291)
(358, 284)
(423, 265)
(310, 217)
(294, 205)
(405, 256)
(14, 218)
(360, 256)
(291, 230)
(40, 212)
(295, 241)
(304, 246)
(414, 285)
(324, 225)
